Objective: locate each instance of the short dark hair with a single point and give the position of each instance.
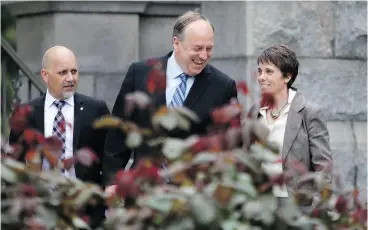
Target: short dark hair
(185, 19)
(283, 58)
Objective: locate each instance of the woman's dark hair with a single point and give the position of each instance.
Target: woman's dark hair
(283, 58)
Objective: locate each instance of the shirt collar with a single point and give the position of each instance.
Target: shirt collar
(49, 100)
(173, 67)
(290, 98)
(291, 95)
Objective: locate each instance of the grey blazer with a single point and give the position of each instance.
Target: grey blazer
(306, 138)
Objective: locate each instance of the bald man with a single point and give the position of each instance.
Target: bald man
(62, 105)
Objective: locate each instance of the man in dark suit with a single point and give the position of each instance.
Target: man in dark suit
(61, 105)
(190, 82)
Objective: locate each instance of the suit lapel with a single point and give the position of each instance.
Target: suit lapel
(293, 123)
(161, 96)
(201, 82)
(78, 110)
(39, 114)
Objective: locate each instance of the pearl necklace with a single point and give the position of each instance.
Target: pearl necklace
(276, 114)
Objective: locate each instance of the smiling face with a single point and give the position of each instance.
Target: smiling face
(271, 79)
(194, 50)
(60, 72)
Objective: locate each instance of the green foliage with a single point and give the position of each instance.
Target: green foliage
(220, 181)
(9, 33)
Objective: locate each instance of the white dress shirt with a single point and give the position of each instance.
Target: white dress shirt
(49, 116)
(276, 135)
(173, 81)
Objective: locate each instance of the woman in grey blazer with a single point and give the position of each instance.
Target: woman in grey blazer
(296, 125)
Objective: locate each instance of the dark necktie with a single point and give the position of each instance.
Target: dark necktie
(59, 126)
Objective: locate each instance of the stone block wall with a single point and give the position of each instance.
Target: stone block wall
(329, 38)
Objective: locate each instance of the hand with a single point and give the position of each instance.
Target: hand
(110, 190)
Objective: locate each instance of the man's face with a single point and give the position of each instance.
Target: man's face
(194, 51)
(61, 76)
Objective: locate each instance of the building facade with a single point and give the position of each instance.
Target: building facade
(330, 39)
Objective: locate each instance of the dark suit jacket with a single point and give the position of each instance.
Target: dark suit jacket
(211, 88)
(306, 137)
(83, 134)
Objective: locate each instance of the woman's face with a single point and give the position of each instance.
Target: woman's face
(270, 79)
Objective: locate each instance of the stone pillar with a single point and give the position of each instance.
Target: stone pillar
(106, 37)
(230, 51)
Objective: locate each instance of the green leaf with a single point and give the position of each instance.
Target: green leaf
(204, 158)
(173, 148)
(234, 225)
(289, 211)
(262, 209)
(162, 203)
(252, 209)
(13, 164)
(167, 121)
(85, 195)
(183, 123)
(181, 224)
(245, 184)
(187, 113)
(8, 175)
(306, 223)
(133, 140)
(237, 199)
(47, 216)
(269, 204)
(203, 209)
(249, 161)
(158, 219)
(210, 188)
(107, 121)
(79, 223)
(263, 154)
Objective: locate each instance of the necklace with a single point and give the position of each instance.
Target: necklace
(276, 114)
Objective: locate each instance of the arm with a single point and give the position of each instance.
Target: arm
(232, 92)
(116, 154)
(15, 136)
(100, 135)
(319, 146)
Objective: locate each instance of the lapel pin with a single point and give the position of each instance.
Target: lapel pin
(81, 108)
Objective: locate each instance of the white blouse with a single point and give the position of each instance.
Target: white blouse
(276, 135)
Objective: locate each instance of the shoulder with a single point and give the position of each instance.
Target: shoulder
(253, 110)
(313, 110)
(90, 100)
(139, 64)
(146, 63)
(38, 101)
(219, 76)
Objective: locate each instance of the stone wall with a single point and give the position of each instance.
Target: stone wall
(330, 39)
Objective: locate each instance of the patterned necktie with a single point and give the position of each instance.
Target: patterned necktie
(179, 95)
(177, 101)
(59, 126)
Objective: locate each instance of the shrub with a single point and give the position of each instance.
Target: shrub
(221, 180)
